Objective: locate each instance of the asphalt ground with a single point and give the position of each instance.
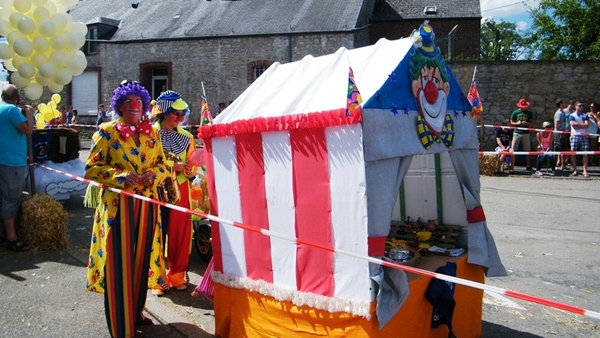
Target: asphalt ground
(546, 229)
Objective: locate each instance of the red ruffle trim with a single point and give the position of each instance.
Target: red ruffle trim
(325, 119)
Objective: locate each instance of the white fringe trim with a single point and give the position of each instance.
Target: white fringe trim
(298, 298)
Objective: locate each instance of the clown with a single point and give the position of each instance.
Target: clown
(178, 144)
(430, 87)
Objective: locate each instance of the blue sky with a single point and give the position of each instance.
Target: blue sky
(514, 11)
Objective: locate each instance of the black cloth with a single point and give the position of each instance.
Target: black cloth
(441, 295)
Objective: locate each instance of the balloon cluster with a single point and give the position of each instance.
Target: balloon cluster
(47, 112)
(43, 44)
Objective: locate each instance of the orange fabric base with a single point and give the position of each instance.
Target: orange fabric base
(241, 313)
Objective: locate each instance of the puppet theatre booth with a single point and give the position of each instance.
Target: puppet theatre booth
(316, 151)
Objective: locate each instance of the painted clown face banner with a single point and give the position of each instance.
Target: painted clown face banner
(420, 108)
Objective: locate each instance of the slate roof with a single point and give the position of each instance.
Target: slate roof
(160, 19)
(386, 10)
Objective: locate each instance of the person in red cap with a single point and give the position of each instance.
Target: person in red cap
(522, 118)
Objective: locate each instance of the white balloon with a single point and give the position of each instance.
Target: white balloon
(40, 14)
(77, 64)
(18, 61)
(23, 47)
(51, 7)
(13, 36)
(59, 41)
(47, 27)
(6, 52)
(26, 25)
(34, 91)
(9, 66)
(58, 59)
(47, 70)
(76, 40)
(42, 80)
(6, 12)
(40, 44)
(80, 27)
(37, 59)
(5, 27)
(63, 77)
(26, 70)
(68, 3)
(22, 5)
(14, 19)
(55, 87)
(39, 3)
(62, 21)
(18, 80)
(60, 8)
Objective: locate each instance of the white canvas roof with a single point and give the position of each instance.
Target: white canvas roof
(317, 84)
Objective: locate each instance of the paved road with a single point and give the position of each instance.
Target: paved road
(546, 229)
(548, 235)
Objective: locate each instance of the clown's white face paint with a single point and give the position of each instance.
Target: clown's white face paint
(432, 98)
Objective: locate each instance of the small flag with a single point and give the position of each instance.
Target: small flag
(473, 98)
(354, 99)
(205, 116)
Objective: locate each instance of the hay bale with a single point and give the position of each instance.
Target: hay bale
(487, 164)
(43, 223)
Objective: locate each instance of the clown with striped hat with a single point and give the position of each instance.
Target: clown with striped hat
(169, 110)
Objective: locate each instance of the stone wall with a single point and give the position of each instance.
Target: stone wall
(501, 84)
(220, 63)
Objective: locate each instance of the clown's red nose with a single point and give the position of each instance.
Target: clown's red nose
(135, 104)
(431, 92)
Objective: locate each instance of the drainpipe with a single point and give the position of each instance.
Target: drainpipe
(290, 48)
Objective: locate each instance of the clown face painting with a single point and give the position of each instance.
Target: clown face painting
(431, 88)
(431, 92)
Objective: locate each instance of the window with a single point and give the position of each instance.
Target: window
(256, 68)
(257, 71)
(92, 47)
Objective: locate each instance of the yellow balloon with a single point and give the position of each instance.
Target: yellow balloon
(39, 122)
(56, 113)
(42, 108)
(48, 116)
(56, 98)
(52, 105)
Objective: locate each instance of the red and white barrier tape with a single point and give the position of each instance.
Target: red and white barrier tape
(539, 152)
(456, 280)
(534, 129)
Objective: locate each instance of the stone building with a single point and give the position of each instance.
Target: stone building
(221, 46)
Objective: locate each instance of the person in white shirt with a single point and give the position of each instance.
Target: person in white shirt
(579, 122)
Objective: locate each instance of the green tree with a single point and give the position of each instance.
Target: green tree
(565, 30)
(500, 40)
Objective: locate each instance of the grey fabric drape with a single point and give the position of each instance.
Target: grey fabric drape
(383, 182)
(482, 248)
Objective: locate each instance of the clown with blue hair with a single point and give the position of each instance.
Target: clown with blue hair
(126, 247)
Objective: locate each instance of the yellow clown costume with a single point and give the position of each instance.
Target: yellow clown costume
(126, 248)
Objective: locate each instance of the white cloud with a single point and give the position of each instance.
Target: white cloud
(521, 25)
